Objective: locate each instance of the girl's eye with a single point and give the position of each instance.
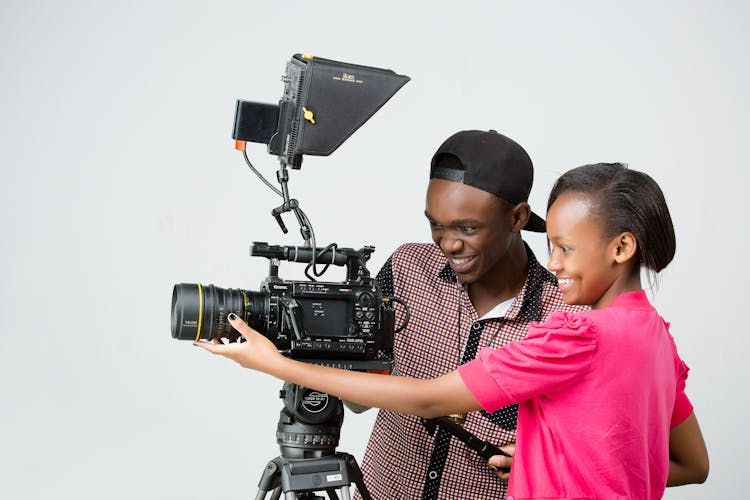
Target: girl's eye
(564, 249)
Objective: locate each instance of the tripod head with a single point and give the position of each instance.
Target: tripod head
(309, 424)
(308, 434)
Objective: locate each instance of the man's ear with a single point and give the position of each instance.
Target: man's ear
(625, 247)
(519, 216)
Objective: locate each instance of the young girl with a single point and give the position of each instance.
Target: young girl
(603, 412)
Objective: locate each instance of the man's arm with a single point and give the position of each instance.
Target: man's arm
(688, 457)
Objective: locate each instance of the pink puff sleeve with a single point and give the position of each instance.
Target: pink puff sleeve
(553, 355)
(682, 405)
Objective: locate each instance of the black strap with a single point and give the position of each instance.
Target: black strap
(443, 438)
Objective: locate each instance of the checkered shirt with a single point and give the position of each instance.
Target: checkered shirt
(402, 461)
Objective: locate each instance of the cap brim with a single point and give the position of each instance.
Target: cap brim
(536, 224)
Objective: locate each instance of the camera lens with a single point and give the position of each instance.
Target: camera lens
(200, 311)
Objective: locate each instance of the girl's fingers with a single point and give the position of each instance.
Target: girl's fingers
(239, 325)
(210, 346)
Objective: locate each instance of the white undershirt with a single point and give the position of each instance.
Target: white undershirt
(499, 310)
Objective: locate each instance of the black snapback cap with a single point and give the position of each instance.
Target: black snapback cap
(491, 162)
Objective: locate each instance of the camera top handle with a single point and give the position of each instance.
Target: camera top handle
(354, 260)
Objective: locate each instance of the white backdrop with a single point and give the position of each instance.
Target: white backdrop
(119, 179)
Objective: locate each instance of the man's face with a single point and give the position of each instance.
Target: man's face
(471, 227)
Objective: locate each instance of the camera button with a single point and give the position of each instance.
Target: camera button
(365, 298)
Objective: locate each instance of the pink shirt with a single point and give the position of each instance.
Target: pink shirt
(598, 392)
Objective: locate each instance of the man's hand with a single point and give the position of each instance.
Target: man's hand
(256, 353)
(499, 462)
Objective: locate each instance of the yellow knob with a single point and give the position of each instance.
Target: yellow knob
(307, 56)
(308, 115)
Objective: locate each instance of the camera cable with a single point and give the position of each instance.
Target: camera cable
(407, 314)
(260, 176)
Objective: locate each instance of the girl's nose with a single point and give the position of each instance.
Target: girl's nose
(553, 265)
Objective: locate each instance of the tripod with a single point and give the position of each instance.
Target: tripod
(308, 433)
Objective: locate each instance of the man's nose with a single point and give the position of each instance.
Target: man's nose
(451, 244)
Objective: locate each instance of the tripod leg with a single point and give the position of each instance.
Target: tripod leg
(345, 494)
(356, 474)
(268, 481)
(275, 494)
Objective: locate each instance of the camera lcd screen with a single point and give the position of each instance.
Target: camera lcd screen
(326, 318)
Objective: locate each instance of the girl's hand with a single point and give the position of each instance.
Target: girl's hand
(499, 462)
(256, 353)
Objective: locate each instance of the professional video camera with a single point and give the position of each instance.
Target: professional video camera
(348, 324)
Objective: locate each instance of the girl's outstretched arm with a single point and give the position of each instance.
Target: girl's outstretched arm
(688, 457)
(426, 398)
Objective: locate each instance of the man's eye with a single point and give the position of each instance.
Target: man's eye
(468, 229)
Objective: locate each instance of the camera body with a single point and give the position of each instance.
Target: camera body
(348, 324)
(343, 321)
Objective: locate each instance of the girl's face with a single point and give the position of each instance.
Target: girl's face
(583, 261)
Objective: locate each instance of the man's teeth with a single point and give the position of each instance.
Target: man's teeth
(461, 261)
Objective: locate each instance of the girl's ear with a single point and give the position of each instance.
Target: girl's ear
(626, 246)
(519, 217)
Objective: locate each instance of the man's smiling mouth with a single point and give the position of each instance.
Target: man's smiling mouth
(459, 261)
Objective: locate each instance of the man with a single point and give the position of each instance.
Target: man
(479, 285)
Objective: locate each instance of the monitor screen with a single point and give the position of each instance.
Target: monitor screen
(326, 318)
